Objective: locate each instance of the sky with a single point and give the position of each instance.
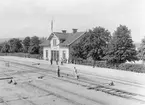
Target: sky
(21, 18)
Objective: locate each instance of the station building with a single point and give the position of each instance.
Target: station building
(58, 46)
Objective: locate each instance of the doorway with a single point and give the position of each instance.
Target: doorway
(55, 55)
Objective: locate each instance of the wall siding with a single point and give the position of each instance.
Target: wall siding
(55, 48)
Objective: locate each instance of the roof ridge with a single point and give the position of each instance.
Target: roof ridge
(62, 33)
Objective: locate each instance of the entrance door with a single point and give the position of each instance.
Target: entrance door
(55, 55)
(52, 55)
(46, 54)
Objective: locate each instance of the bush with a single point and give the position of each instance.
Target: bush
(100, 64)
(124, 66)
(132, 67)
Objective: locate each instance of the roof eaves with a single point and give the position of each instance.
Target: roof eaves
(53, 33)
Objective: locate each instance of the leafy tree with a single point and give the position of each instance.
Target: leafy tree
(1, 45)
(34, 45)
(34, 41)
(26, 44)
(93, 44)
(34, 49)
(41, 48)
(41, 51)
(5, 48)
(42, 39)
(121, 47)
(78, 51)
(96, 43)
(141, 51)
(15, 45)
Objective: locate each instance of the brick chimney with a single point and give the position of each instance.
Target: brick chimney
(63, 31)
(74, 31)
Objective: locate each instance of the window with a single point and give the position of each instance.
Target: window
(62, 40)
(54, 42)
(64, 54)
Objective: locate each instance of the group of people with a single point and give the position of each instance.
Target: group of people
(76, 75)
(75, 72)
(51, 61)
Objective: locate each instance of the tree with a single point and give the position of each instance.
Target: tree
(78, 51)
(34, 45)
(34, 49)
(41, 48)
(34, 41)
(1, 45)
(96, 43)
(42, 39)
(15, 45)
(121, 47)
(93, 44)
(141, 50)
(26, 44)
(5, 48)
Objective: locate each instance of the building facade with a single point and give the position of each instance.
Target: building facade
(58, 46)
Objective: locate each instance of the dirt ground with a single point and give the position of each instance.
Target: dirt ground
(35, 87)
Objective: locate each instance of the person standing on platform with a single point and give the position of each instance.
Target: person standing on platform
(56, 61)
(61, 61)
(76, 73)
(51, 61)
(58, 71)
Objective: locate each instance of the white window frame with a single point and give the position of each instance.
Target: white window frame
(54, 42)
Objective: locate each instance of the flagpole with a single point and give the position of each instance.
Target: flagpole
(52, 26)
(52, 21)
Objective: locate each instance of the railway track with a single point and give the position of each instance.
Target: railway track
(54, 94)
(3, 101)
(130, 83)
(68, 92)
(25, 99)
(82, 81)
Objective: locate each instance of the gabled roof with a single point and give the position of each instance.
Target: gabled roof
(72, 38)
(69, 38)
(62, 35)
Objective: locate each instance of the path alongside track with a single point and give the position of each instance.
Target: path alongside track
(85, 71)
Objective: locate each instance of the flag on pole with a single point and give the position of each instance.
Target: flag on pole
(51, 25)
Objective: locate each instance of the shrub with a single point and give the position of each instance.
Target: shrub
(124, 66)
(132, 67)
(100, 64)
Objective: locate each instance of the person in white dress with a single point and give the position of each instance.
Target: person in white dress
(76, 73)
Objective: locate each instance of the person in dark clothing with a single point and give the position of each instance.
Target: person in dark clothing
(58, 72)
(10, 81)
(112, 83)
(61, 61)
(51, 61)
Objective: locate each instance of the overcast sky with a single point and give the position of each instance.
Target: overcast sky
(21, 18)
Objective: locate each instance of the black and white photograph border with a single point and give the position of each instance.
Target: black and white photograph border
(72, 52)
